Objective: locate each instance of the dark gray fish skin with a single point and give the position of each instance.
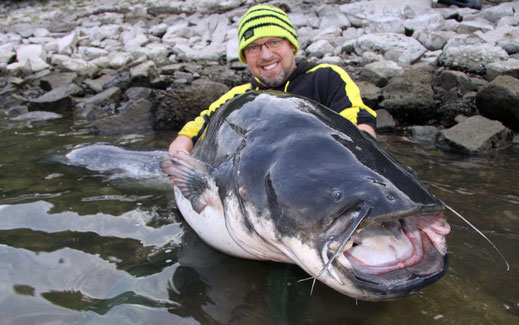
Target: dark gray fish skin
(302, 156)
(309, 171)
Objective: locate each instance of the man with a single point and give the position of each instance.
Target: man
(268, 45)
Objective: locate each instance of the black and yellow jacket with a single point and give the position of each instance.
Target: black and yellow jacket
(327, 84)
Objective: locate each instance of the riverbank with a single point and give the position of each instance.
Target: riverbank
(442, 73)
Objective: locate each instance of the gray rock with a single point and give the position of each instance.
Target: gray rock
(67, 44)
(112, 95)
(159, 30)
(385, 122)
(136, 118)
(177, 106)
(56, 100)
(433, 40)
(370, 93)
(494, 14)
(17, 110)
(425, 22)
(90, 53)
(9, 96)
(508, 21)
(152, 51)
(477, 134)
(135, 93)
(58, 79)
(449, 79)
(33, 65)
(133, 39)
(7, 53)
(98, 106)
(467, 27)
(500, 100)
(332, 59)
(384, 24)
(183, 75)
(25, 52)
(332, 17)
(80, 66)
(422, 133)
(510, 68)
(472, 58)
(509, 45)
(319, 49)
(394, 47)
(448, 111)
(231, 50)
(409, 97)
(118, 59)
(498, 34)
(144, 71)
(380, 72)
(100, 83)
(220, 74)
(35, 116)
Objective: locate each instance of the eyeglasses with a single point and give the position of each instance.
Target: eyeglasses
(254, 50)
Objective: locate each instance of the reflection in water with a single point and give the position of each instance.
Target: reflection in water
(80, 247)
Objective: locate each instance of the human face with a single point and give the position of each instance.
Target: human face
(272, 66)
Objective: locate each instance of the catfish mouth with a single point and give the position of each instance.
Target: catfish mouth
(393, 257)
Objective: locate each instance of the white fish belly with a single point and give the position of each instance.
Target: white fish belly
(210, 226)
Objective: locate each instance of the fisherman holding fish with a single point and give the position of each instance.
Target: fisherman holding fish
(268, 45)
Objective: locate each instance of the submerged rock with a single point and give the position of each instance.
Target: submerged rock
(136, 118)
(422, 133)
(58, 99)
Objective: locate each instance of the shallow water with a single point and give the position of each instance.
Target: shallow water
(90, 247)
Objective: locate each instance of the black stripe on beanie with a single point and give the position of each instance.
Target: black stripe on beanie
(268, 24)
(261, 17)
(268, 8)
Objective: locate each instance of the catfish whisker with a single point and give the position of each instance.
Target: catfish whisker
(349, 233)
(480, 233)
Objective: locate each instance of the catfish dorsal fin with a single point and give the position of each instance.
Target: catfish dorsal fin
(192, 177)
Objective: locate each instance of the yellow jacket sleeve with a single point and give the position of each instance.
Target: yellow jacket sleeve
(195, 129)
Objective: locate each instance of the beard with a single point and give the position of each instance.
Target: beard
(281, 78)
(273, 83)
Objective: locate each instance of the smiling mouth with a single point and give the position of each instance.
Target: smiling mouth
(393, 251)
(270, 67)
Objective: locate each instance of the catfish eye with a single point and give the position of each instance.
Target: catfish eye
(337, 194)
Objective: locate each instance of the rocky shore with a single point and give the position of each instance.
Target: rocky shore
(441, 73)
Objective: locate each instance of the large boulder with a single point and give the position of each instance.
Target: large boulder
(380, 72)
(410, 98)
(175, 107)
(98, 106)
(394, 47)
(472, 58)
(136, 119)
(500, 100)
(478, 134)
(56, 100)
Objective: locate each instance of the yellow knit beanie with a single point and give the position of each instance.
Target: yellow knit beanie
(264, 21)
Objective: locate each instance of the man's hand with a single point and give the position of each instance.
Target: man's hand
(368, 128)
(181, 143)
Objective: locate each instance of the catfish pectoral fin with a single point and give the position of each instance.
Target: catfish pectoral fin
(192, 177)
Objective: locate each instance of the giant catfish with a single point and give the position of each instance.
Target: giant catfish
(279, 177)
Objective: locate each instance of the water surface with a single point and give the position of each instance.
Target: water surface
(89, 247)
